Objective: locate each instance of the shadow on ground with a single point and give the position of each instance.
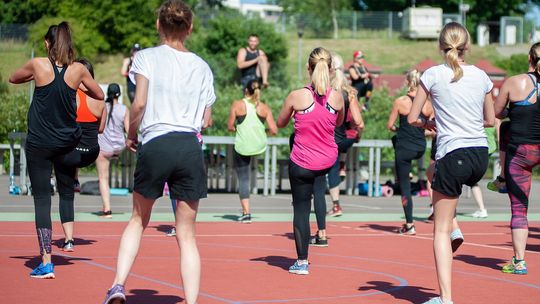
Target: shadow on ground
(492, 263)
(229, 217)
(276, 261)
(145, 296)
(163, 228)
(60, 242)
(413, 294)
(58, 260)
(384, 228)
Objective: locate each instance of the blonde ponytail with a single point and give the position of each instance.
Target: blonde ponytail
(453, 41)
(253, 91)
(319, 63)
(338, 81)
(413, 80)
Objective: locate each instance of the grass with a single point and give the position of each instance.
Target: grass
(14, 55)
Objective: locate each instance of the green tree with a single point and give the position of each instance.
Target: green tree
(318, 8)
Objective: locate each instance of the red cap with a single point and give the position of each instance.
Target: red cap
(358, 54)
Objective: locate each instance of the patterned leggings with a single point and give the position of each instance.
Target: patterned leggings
(520, 161)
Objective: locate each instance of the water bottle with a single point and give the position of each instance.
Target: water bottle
(12, 185)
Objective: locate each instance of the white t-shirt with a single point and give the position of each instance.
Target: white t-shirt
(459, 106)
(180, 88)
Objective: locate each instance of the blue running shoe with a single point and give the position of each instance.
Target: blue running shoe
(297, 268)
(43, 271)
(115, 295)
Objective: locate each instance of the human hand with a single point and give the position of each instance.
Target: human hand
(132, 143)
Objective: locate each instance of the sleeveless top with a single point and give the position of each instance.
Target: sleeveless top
(340, 132)
(356, 83)
(525, 119)
(408, 136)
(251, 70)
(112, 139)
(250, 133)
(88, 123)
(314, 146)
(51, 117)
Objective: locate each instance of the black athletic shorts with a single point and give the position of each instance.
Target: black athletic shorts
(460, 167)
(175, 158)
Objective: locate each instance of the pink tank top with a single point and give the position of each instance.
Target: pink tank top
(314, 145)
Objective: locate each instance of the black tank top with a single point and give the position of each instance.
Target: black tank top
(89, 137)
(410, 137)
(525, 119)
(251, 70)
(51, 117)
(339, 131)
(358, 82)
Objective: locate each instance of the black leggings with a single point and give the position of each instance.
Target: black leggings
(403, 159)
(242, 165)
(302, 183)
(40, 163)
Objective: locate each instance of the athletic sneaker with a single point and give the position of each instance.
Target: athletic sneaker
(171, 232)
(480, 214)
(245, 218)
(77, 186)
(515, 267)
(68, 246)
(43, 271)
(457, 239)
(438, 300)
(318, 242)
(106, 214)
(498, 185)
(411, 230)
(336, 211)
(297, 268)
(115, 295)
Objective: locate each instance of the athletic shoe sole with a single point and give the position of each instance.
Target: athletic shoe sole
(117, 299)
(44, 276)
(301, 272)
(319, 245)
(456, 243)
(68, 249)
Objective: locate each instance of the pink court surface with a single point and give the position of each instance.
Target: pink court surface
(365, 263)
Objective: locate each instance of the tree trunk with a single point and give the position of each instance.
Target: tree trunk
(334, 19)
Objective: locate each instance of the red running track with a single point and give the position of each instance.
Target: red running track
(365, 263)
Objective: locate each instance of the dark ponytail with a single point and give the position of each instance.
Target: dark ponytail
(175, 19)
(60, 45)
(534, 55)
(113, 92)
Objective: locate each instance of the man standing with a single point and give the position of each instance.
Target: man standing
(361, 78)
(252, 63)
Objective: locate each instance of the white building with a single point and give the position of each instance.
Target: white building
(262, 8)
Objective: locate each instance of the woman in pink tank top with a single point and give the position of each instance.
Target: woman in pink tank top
(316, 109)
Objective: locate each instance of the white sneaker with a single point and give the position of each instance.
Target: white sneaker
(480, 214)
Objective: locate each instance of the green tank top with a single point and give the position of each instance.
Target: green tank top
(250, 134)
(491, 139)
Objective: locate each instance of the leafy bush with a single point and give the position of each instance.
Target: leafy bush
(13, 109)
(219, 42)
(515, 64)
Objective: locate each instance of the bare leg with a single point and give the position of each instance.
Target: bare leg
(190, 261)
(444, 208)
(502, 159)
(477, 194)
(519, 241)
(131, 238)
(245, 205)
(68, 231)
(102, 165)
(262, 70)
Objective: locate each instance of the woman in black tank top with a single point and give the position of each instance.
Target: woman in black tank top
(409, 144)
(52, 130)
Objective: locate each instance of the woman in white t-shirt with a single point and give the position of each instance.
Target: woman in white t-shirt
(461, 95)
(172, 104)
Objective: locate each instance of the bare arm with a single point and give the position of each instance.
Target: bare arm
(137, 111)
(241, 62)
(489, 111)
(125, 64)
(341, 112)
(286, 111)
(232, 117)
(393, 116)
(126, 122)
(418, 103)
(502, 101)
(272, 127)
(24, 73)
(92, 87)
(207, 118)
(356, 112)
(353, 73)
(102, 120)
(95, 107)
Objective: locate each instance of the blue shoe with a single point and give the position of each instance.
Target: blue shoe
(115, 295)
(43, 271)
(297, 268)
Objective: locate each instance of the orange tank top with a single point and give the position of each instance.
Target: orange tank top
(83, 113)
